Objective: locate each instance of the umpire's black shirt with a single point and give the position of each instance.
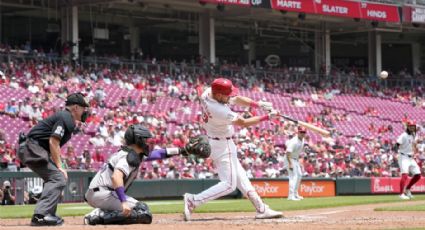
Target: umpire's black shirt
(60, 125)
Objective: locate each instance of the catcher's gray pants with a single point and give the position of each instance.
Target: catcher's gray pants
(106, 199)
(54, 183)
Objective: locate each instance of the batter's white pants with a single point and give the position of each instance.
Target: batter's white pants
(294, 176)
(408, 165)
(231, 175)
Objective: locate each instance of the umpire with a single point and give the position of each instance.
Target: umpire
(40, 151)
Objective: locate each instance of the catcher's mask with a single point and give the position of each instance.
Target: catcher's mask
(139, 135)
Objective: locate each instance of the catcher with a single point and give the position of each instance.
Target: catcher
(106, 192)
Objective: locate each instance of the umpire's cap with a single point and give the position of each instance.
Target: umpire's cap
(77, 99)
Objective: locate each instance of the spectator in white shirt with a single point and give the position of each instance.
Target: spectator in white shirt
(204, 174)
(33, 88)
(13, 84)
(270, 171)
(26, 108)
(97, 140)
(186, 109)
(172, 172)
(103, 130)
(171, 115)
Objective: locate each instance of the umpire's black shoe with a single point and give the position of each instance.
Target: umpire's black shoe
(48, 220)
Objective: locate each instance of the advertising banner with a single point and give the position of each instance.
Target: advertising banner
(341, 8)
(418, 14)
(229, 2)
(379, 12)
(338, 8)
(308, 188)
(392, 185)
(305, 6)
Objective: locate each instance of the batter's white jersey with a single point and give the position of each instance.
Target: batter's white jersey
(406, 143)
(294, 147)
(117, 161)
(217, 117)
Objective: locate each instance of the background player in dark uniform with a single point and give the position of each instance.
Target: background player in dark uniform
(40, 151)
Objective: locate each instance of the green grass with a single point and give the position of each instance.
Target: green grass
(234, 205)
(414, 208)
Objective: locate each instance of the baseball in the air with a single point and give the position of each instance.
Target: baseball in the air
(383, 75)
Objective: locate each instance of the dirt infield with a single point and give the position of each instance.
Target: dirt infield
(349, 217)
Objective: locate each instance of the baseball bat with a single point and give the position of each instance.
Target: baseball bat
(311, 127)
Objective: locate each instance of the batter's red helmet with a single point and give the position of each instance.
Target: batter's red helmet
(223, 86)
(302, 129)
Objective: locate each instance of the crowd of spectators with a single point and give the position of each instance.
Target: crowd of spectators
(339, 156)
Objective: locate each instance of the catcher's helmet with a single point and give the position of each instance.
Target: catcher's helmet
(137, 134)
(223, 86)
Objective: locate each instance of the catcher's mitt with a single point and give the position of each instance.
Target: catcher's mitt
(197, 146)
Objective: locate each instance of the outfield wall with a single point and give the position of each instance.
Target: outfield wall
(170, 189)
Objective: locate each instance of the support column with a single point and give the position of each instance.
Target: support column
(69, 28)
(212, 39)
(327, 50)
(371, 54)
(1, 23)
(322, 50)
(134, 40)
(64, 24)
(207, 36)
(374, 53)
(378, 51)
(416, 56)
(252, 51)
(75, 35)
(318, 54)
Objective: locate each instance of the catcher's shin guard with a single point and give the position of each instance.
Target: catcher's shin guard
(139, 215)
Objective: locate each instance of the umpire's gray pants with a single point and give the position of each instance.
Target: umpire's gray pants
(107, 200)
(54, 183)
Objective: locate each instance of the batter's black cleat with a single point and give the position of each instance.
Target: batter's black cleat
(48, 220)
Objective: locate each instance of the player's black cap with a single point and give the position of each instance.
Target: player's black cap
(77, 99)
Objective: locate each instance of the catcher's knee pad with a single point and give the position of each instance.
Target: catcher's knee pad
(141, 213)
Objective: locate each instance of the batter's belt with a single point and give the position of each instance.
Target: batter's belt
(407, 155)
(220, 138)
